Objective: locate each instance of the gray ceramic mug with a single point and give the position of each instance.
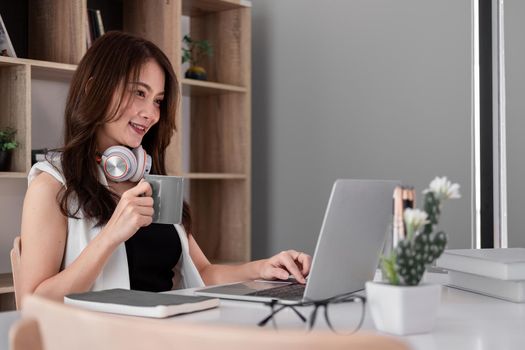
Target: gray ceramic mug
(168, 193)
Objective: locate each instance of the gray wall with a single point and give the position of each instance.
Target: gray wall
(514, 12)
(356, 89)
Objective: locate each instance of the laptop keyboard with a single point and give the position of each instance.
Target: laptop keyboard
(293, 291)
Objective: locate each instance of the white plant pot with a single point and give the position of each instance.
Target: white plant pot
(403, 310)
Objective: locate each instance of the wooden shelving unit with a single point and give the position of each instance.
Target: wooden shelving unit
(15, 110)
(205, 88)
(220, 112)
(220, 131)
(195, 8)
(16, 76)
(12, 175)
(6, 283)
(7, 298)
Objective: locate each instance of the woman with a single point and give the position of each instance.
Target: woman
(84, 229)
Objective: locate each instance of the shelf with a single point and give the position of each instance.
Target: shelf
(39, 65)
(219, 110)
(192, 87)
(214, 176)
(9, 61)
(6, 283)
(12, 175)
(42, 69)
(201, 7)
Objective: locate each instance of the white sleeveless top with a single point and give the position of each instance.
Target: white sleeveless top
(115, 273)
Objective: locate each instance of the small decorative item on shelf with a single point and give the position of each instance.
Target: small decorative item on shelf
(401, 305)
(7, 145)
(193, 53)
(6, 48)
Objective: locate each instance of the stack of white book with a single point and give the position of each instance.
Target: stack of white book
(498, 272)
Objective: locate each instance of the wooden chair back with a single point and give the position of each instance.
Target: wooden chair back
(15, 255)
(64, 327)
(25, 335)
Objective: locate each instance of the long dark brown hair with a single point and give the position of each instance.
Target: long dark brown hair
(114, 60)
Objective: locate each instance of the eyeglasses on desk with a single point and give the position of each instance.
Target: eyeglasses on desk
(338, 312)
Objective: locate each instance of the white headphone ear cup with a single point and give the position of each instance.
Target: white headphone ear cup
(119, 163)
(141, 157)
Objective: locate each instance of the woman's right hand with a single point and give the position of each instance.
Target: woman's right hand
(133, 211)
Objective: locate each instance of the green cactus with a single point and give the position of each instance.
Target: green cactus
(421, 247)
(432, 207)
(412, 256)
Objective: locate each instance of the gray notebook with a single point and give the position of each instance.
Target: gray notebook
(140, 303)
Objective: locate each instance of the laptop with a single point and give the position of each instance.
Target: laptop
(354, 228)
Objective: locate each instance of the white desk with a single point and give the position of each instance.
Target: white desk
(465, 321)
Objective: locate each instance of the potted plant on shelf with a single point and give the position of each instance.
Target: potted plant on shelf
(401, 304)
(193, 53)
(7, 145)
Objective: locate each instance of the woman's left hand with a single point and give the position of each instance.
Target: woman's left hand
(289, 262)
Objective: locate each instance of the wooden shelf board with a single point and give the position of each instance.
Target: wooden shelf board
(9, 61)
(38, 64)
(42, 69)
(214, 176)
(13, 174)
(6, 283)
(200, 7)
(191, 87)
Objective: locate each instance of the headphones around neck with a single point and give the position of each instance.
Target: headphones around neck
(120, 164)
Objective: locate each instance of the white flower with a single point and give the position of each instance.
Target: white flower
(415, 218)
(443, 188)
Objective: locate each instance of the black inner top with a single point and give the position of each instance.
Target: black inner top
(152, 253)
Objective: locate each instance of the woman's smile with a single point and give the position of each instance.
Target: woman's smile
(138, 128)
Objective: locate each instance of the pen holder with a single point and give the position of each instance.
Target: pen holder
(404, 197)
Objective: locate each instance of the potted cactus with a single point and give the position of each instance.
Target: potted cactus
(7, 145)
(401, 304)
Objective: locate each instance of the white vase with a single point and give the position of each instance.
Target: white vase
(403, 310)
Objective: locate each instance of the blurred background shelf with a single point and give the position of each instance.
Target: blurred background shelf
(49, 37)
(201, 7)
(192, 87)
